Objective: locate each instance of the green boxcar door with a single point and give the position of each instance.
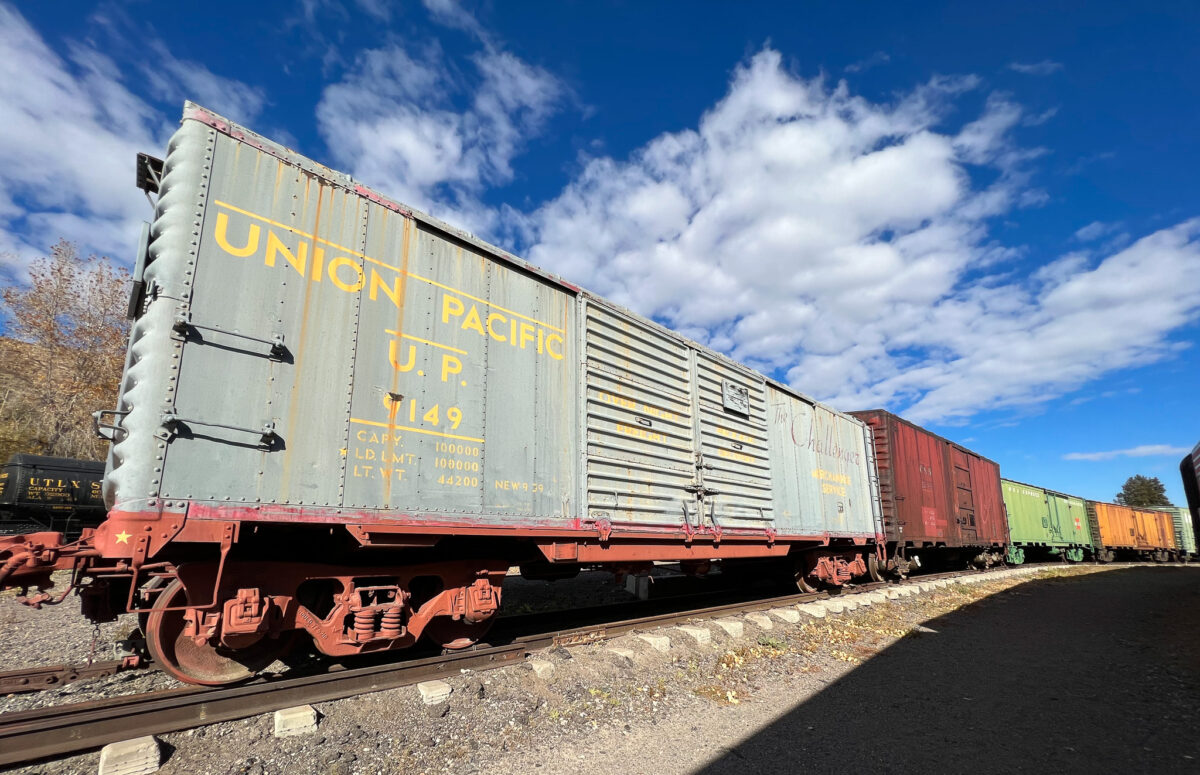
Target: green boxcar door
(1068, 522)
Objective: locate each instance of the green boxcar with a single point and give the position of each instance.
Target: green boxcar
(1044, 523)
(1185, 537)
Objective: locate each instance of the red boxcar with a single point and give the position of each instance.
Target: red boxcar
(942, 503)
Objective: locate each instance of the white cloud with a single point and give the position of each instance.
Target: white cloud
(810, 232)
(1095, 230)
(71, 130)
(410, 126)
(1146, 450)
(380, 9)
(1040, 118)
(67, 145)
(451, 14)
(1045, 67)
(175, 80)
(878, 58)
(1018, 343)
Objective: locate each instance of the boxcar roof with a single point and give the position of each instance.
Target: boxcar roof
(923, 429)
(1040, 487)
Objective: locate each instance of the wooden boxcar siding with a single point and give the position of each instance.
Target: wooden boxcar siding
(1158, 528)
(306, 343)
(1041, 517)
(933, 491)
(1122, 527)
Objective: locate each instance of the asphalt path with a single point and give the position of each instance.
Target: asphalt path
(1091, 674)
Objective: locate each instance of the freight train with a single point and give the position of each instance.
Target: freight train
(42, 493)
(1044, 524)
(343, 421)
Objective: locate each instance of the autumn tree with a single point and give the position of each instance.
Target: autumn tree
(63, 353)
(1143, 491)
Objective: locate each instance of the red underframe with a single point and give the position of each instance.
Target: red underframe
(572, 540)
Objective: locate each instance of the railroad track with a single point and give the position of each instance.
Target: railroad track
(66, 729)
(38, 679)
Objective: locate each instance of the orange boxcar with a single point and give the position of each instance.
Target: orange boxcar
(1128, 531)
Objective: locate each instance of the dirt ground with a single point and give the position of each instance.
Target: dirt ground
(1074, 671)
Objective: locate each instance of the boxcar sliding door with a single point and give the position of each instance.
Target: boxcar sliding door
(675, 434)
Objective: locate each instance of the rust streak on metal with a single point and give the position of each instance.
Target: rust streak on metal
(40, 678)
(394, 403)
(300, 349)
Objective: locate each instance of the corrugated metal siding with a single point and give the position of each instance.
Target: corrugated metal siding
(136, 459)
(916, 495)
(732, 411)
(673, 432)
(640, 430)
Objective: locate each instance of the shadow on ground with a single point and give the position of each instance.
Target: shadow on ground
(1096, 673)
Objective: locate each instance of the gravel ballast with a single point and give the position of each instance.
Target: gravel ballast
(918, 682)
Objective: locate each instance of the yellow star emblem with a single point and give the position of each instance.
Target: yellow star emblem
(122, 537)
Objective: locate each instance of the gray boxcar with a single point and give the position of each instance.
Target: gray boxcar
(323, 379)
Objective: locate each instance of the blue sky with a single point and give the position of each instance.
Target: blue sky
(985, 219)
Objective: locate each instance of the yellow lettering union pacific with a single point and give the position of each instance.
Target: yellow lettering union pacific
(320, 260)
(510, 331)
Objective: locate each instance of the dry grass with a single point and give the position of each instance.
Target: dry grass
(718, 694)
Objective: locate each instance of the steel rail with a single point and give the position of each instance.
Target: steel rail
(65, 729)
(36, 679)
(43, 678)
(590, 620)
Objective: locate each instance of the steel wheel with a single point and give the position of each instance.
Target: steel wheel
(204, 664)
(804, 580)
(875, 571)
(456, 634)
